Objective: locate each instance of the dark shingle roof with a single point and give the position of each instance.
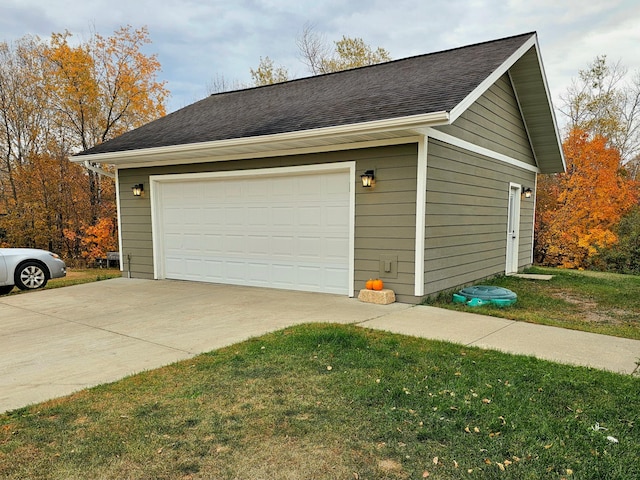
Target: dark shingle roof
(423, 84)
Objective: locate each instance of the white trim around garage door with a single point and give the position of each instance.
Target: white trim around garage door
(156, 199)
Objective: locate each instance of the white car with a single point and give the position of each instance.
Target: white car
(28, 268)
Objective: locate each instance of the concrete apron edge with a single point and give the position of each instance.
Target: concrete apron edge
(556, 344)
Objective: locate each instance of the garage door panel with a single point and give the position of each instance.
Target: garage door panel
(258, 216)
(259, 273)
(282, 188)
(192, 242)
(235, 270)
(336, 215)
(214, 268)
(334, 279)
(282, 216)
(285, 232)
(310, 248)
(308, 276)
(173, 216)
(231, 190)
(282, 246)
(234, 244)
(258, 244)
(235, 216)
(191, 216)
(172, 242)
(212, 216)
(283, 275)
(310, 215)
(212, 244)
(195, 267)
(335, 248)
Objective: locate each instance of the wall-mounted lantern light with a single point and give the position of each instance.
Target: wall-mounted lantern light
(367, 178)
(138, 189)
(527, 192)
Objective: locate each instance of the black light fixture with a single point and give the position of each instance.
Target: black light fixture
(137, 189)
(527, 192)
(367, 178)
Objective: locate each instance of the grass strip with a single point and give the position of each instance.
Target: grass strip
(333, 401)
(604, 303)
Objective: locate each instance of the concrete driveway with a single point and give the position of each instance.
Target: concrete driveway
(55, 342)
(58, 341)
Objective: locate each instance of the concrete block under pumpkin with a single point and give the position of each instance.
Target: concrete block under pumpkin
(380, 297)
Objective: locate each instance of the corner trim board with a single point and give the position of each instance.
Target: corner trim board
(421, 205)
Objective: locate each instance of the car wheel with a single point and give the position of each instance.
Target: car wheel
(30, 276)
(5, 289)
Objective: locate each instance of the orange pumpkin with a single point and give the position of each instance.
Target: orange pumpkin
(369, 284)
(378, 284)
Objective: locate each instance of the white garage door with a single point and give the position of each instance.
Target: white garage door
(287, 231)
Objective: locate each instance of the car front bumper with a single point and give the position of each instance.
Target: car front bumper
(58, 269)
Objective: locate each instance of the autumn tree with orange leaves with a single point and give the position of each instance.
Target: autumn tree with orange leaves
(58, 98)
(577, 211)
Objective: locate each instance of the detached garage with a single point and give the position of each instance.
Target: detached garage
(262, 186)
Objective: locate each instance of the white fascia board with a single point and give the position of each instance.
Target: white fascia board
(553, 112)
(143, 156)
(491, 79)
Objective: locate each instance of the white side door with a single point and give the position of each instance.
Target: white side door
(513, 228)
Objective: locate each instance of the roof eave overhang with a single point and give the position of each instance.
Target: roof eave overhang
(344, 137)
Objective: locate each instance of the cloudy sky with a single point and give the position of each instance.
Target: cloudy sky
(199, 40)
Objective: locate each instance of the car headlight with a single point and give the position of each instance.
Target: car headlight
(55, 255)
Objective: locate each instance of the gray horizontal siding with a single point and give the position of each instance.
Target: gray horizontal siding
(466, 216)
(494, 121)
(385, 214)
(385, 219)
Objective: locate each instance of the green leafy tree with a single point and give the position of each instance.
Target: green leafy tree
(624, 256)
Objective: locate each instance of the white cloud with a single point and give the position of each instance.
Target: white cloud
(198, 39)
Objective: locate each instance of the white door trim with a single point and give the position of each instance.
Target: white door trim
(155, 190)
(513, 228)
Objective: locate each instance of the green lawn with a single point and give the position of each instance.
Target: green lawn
(606, 303)
(76, 276)
(336, 402)
(340, 402)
